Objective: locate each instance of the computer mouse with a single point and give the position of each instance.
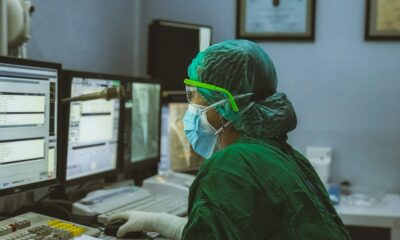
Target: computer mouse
(111, 229)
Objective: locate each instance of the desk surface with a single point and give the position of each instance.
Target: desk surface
(386, 213)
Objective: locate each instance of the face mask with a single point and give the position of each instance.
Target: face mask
(202, 136)
(200, 133)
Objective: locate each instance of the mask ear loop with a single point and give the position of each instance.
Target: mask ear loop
(222, 128)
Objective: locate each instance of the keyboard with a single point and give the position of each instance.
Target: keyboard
(33, 226)
(156, 203)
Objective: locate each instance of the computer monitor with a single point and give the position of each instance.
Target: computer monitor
(176, 153)
(142, 124)
(28, 124)
(93, 127)
(182, 41)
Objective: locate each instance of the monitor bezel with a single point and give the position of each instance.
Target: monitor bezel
(128, 166)
(67, 76)
(57, 180)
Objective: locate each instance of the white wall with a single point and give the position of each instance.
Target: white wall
(89, 35)
(346, 91)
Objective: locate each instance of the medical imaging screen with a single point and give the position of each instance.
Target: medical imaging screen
(28, 129)
(145, 121)
(93, 130)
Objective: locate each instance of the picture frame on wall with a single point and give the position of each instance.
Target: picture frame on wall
(382, 21)
(276, 20)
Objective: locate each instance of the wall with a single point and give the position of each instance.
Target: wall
(345, 90)
(90, 35)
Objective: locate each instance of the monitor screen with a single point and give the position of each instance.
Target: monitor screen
(181, 40)
(28, 129)
(176, 152)
(145, 129)
(93, 130)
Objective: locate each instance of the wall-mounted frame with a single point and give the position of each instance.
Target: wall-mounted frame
(382, 21)
(276, 20)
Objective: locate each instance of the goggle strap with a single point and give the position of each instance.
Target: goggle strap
(226, 100)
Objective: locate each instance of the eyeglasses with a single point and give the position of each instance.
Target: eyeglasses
(191, 91)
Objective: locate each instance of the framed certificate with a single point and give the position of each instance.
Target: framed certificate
(382, 20)
(276, 20)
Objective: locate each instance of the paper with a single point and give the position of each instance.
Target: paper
(85, 237)
(388, 15)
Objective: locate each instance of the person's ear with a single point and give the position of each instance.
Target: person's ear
(213, 118)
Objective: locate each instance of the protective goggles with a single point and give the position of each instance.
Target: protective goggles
(191, 91)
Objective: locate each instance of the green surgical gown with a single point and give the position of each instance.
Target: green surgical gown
(257, 189)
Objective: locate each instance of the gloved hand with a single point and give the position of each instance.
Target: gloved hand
(168, 225)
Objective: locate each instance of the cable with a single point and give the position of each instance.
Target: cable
(42, 198)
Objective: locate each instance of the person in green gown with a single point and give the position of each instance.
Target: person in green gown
(253, 184)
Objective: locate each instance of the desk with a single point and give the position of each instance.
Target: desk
(104, 237)
(385, 214)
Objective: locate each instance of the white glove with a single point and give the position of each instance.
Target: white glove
(166, 224)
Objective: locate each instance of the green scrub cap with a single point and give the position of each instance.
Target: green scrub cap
(241, 67)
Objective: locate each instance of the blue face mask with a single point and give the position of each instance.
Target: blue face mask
(201, 135)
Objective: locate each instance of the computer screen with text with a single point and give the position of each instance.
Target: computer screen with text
(93, 130)
(28, 124)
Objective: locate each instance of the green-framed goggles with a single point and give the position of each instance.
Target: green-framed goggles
(190, 84)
